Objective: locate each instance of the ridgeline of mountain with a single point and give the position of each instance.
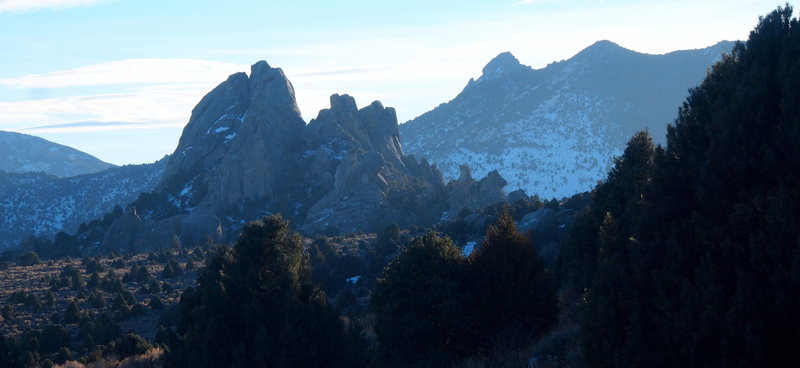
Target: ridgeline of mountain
(22, 153)
(247, 152)
(554, 131)
(40, 204)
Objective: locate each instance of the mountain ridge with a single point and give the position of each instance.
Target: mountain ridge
(43, 205)
(23, 153)
(554, 131)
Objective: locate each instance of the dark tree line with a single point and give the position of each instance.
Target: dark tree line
(689, 255)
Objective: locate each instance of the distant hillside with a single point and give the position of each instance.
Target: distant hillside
(554, 131)
(22, 153)
(35, 203)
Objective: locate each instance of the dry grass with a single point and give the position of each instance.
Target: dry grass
(558, 349)
(150, 359)
(31, 279)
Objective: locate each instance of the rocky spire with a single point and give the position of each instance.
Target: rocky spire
(233, 145)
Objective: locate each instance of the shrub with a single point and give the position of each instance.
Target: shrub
(29, 259)
(73, 313)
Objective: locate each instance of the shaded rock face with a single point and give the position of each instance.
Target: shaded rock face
(368, 182)
(121, 236)
(200, 227)
(131, 234)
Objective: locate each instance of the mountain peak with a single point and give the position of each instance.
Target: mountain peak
(500, 65)
(532, 125)
(601, 49)
(26, 153)
(605, 44)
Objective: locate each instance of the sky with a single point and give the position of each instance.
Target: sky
(118, 78)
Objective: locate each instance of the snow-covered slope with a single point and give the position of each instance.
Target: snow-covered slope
(21, 153)
(554, 131)
(41, 204)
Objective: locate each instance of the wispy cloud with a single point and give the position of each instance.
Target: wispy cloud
(349, 71)
(21, 6)
(131, 71)
(524, 2)
(141, 106)
(80, 126)
(137, 94)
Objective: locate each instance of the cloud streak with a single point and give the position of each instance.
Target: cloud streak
(137, 92)
(142, 105)
(22, 6)
(131, 71)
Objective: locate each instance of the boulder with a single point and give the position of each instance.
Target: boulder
(121, 235)
(200, 227)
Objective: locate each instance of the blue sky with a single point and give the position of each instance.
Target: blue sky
(118, 78)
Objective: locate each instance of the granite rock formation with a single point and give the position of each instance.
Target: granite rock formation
(247, 152)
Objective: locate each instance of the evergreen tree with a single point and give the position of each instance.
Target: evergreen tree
(704, 269)
(51, 299)
(514, 296)
(73, 313)
(255, 306)
(419, 305)
(52, 338)
(7, 355)
(97, 300)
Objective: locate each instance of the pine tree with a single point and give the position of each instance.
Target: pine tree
(51, 299)
(419, 305)
(7, 356)
(73, 313)
(255, 306)
(514, 294)
(704, 271)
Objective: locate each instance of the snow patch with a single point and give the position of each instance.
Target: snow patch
(469, 247)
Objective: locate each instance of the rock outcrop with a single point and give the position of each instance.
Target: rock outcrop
(469, 193)
(247, 152)
(236, 142)
(362, 165)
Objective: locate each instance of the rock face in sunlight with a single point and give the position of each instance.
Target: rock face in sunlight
(22, 153)
(554, 131)
(236, 142)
